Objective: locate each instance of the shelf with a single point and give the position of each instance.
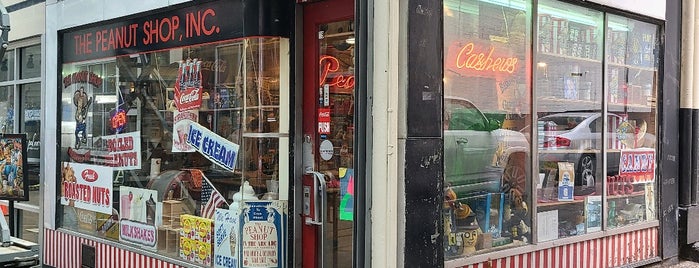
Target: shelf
(553, 104)
(642, 68)
(568, 58)
(546, 204)
(634, 194)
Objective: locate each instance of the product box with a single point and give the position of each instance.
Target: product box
(488, 208)
(566, 180)
(204, 229)
(187, 248)
(196, 228)
(203, 253)
(188, 223)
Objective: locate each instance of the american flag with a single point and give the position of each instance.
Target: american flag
(210, 199)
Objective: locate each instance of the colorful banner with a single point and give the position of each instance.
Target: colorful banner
(181, 127)
(226, 225)
(638, 164)
(263, 234)
(346, 194)
(87, 187)
(140, 213)
(124, 150)
(214, 147)
(13, 159)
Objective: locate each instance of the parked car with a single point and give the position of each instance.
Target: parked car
(480, 156)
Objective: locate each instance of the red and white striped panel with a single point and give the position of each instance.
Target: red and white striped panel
(62, 250)
(612, 251)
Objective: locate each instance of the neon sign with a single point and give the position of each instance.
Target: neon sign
(330, 64)
(470, 59)
(118, 120)
(482, 59)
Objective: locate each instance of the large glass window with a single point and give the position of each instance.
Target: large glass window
(595, 79)
(7, 66)
(30, 62)
(632, 78)
(138, 120)
(570, 124)
(486, 114)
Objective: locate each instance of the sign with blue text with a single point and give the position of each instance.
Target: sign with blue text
(214, 147)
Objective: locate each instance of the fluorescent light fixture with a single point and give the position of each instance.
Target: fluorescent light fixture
(451, 6)
(105, 99)
(350, 40)
(615, 26)
(571, 16)
(516, 4)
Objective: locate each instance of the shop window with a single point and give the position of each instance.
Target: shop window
(632, 77)
(595, 83)
(570, 126)
(30, 62)
(7, 66)
(7, 109)
(30, 124)
(487, 111)
(161, 126)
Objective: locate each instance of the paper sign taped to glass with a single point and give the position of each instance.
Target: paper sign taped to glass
(346, 194)
(214, 147)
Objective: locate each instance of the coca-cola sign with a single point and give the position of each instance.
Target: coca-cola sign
(188, 89)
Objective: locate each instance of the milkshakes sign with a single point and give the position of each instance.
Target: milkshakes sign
(214, 147)
(87, 187)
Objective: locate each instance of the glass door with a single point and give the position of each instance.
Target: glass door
(328, 134)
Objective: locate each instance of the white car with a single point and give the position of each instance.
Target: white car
(577, 137)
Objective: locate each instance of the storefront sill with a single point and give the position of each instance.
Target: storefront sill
(644, 262)
(464, 261)
(137, 250)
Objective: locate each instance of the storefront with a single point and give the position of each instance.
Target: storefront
(204, 133)
(550, 134)
(186, 137)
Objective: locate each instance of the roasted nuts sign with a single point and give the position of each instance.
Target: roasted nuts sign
(87, 187)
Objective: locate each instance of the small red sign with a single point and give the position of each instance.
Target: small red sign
(637, 164)
(323, 115)
(89, 175)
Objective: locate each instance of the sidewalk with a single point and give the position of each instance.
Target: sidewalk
(682, 264)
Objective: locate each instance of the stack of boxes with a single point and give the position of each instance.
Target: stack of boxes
(196, 239)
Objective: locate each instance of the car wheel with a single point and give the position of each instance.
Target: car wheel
(514, 176)
(587, 170)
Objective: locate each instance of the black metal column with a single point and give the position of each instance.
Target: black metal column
(424, 175)
(668, 102)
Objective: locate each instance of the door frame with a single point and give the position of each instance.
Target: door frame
(309, 17)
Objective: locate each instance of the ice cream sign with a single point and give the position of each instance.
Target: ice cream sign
(214, 147)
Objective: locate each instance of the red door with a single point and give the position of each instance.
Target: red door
(328, 128)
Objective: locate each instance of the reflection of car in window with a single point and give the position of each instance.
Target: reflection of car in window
(577, 137)
(480, 156)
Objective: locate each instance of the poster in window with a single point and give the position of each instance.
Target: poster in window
(226, 226)
(13, 159)
(82, 86)
(86, 187)
(124, 150)
(140, 213)
(263, 233)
